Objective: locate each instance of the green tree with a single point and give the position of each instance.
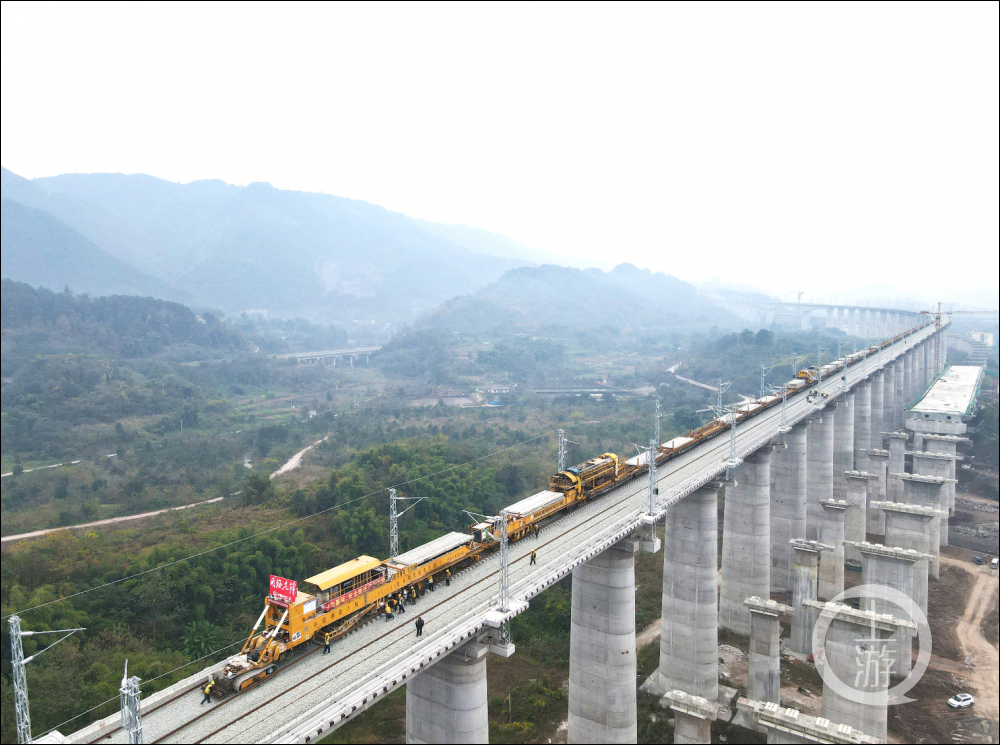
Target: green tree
(257, 489)
(200, 639)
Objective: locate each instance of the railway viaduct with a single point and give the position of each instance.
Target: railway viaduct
(805, 485)
(854, 320)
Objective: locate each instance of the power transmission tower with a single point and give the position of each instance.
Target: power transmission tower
(18, 662)
(20, 682)
(562, 451)
(656, 435)
(128, 694)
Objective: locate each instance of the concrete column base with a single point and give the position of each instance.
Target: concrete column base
(448, 702)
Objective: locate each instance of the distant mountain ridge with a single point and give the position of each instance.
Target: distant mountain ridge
(295, 253)
(530, 298)
(40, 249)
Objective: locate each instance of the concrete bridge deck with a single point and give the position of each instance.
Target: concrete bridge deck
(317, 693)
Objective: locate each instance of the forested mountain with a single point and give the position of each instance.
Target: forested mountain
(39, 322)
(294, 253)
(534, 297)
(40, 249)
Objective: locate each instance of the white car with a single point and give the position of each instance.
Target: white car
(961, 701)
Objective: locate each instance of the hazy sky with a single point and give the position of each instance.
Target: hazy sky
(819, 147)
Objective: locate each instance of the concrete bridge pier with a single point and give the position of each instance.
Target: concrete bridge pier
(878, 464)
(895, 568)
(448, 702)
(900, 400)
(843, 443)
(862, 425)
(764, 682)
(877, 406)
(819, 470)
(896, 465)
(889, 399)
(805, 587)
(689, 629)
(788, 502)
(746, 541)
(831, 565)
(907, 362)
(930, 491)
(925, 365)
(946, 445)
(856, 519)
(909, 526)
(848, 632)
(693, 717)
(602, 706)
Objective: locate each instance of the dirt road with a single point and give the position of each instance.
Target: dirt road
(109, 521)
(296, 460)
(981, 653)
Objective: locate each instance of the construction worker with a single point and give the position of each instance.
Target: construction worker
(430, 583)
(326, 642)
(207, 690)
(420, 625)
(535, 528)
(447, 578)
(401, 601)
(533, 557)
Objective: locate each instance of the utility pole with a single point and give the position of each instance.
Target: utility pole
(393, 526)
(724, 413)
(128, 694)
(394, 515)
(723, 387)
(795, 364)
(504, 595)
(764, 371)
(654, 492)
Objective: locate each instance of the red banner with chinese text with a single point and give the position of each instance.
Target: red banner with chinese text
(283, 590)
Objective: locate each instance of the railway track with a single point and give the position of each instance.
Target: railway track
(273, 700)
(175, 734)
